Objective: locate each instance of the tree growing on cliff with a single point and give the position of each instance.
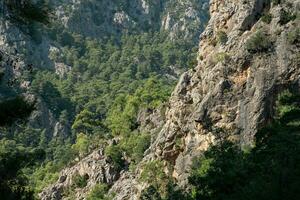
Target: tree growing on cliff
(14, 183)
(82, 144)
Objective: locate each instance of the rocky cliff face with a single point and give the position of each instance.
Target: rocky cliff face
(29, 47)
(97, 168)
(181, 17)
(231, 93)
(106, 18)
(21, 54)
(248, 53)
(93, 169)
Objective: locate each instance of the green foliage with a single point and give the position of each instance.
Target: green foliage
(160, 185)
(14, 184)
(153, 174)
(259, 42)
(47, 86)
(221, 57)
(28, 11)
(211, 180)
(28, 137)
(44, 176)
(269, 171)
(222, 37)
(178, 143)
(121, 118)
(99, 192)
(65, 39)
(286, 17)
(85, 121)
(135, 146)
(115, 153)
(293, 36)
(48, 172)
(267, 18)
(150, 193)
(82, 144)
(14, 109)
(80, 181)
(110, 81)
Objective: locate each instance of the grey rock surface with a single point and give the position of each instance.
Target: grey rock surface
(96, 168)
(230, 94)
(227, 98)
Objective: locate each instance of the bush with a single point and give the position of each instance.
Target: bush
(82, 144)
(222, 37)
(99, 192)
(150, 193)
(293, 36)
(286, 17)
(80, 181)
(221, 57)
(259, 42)
(267, 18)
(115, 153)
(13, 159)
(136, 145)
(153, 174)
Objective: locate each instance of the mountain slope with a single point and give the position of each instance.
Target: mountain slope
(92, 71)
(248, 55)
(244, 62)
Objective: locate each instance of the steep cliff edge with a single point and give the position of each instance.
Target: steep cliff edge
(244, 61)
(248, 54)
(106, 18)
(31, 47)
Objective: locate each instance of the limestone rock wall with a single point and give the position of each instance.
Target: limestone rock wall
(232, 91)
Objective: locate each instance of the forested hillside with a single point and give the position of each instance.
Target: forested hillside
(149, 99)
(78, 73)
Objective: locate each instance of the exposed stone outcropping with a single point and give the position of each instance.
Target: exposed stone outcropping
(30, 49)
(94, 169)
(113, 17)
(99, 169)
(183, 17)
(232, 91)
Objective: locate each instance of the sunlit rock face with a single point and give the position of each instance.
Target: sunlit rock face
(103, 18)
(32, 44)
(231, 92)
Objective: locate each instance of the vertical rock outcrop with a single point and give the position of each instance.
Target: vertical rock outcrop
(93, 169)
(248, 53)
(232, 91)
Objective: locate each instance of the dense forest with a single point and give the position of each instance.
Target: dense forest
(110, 81)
